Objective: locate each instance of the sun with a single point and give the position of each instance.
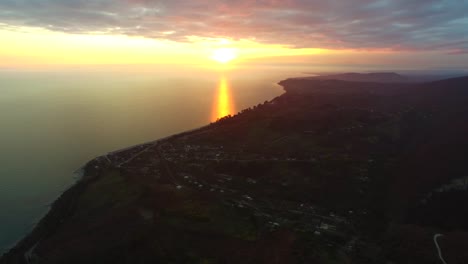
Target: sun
(224, 55)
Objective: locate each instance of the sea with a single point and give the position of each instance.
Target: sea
(54, 120)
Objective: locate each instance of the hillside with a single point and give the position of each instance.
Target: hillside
(332, 171)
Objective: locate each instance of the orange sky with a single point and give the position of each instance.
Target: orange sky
(32, 46)
(35, 47)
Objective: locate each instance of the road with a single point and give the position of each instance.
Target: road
(439, 251)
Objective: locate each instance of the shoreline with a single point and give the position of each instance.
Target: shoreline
(47, 223)
(76, 175)
(58, 211)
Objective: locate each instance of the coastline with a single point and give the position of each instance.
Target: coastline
(59, 210)
(76, 175)
(64, 205)
(187, 187)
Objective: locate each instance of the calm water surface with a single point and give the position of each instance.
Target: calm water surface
(52, 122)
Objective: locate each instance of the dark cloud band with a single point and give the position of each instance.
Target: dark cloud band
(335, 24)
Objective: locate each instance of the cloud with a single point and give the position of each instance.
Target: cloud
(335, 24)
(458, 52)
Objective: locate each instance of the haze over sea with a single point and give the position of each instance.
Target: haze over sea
(54, 121)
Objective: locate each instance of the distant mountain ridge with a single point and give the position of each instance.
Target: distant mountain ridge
(387, 77)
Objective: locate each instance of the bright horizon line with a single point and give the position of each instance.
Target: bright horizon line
(35, 47)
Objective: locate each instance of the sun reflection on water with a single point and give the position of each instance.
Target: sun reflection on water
(223, 102)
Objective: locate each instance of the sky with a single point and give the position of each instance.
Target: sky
(393, 33)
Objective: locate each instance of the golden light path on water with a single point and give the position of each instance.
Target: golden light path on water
(223, 104)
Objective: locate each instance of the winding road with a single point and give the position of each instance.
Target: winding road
(438, 248)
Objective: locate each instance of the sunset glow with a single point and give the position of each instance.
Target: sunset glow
(289, 32)
(27, 46)
(228, 131)
(224, 55)
(223, 102)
